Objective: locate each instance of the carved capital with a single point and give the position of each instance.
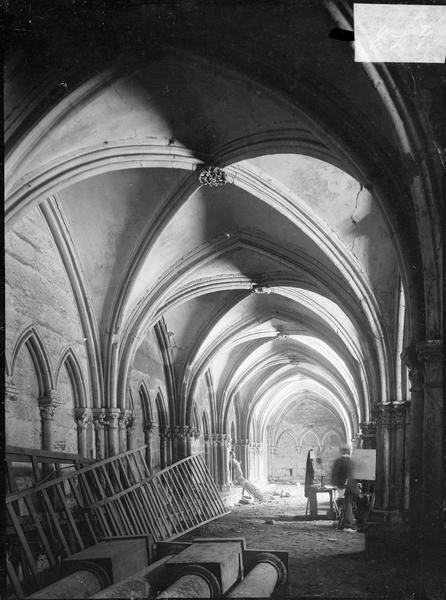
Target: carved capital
(99, 421)
(165, 433)
(243, 443)
(385, 416)
(125, 417)
(368, 429)
(112, 417)
(431, 353)
(83, 417)
(430, 350)
(148, 425)
(221, 439)
(47, 412)
(400, 414)
(410, 358)
(48, 405)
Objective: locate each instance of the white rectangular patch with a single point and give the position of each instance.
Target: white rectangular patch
(400, 33)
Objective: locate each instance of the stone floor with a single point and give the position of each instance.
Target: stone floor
(324, 562)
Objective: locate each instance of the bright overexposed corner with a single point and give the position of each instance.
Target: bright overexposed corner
(400, 33)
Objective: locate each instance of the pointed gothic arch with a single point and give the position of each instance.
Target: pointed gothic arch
(144, 398)
(71, 363)
(31, 339)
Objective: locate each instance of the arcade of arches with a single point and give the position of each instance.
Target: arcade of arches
(215, 241)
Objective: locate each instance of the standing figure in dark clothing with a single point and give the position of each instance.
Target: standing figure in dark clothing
(310, 491)
(348, 490)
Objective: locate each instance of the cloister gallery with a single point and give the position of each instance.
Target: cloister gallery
(223, 233)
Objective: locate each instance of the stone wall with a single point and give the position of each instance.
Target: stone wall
(40, 304)
(309, 425)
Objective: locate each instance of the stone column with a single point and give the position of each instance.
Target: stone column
(416, 376)
(244, 456)
(123, 421)
(83, 417)
(131, 439)
(368, 435)
(215, 471)
(166, 446)
(399, 455)
(274, 461)
(222, 459)
(384, 424)
(47, 407)
(149, 428)
(99, 428)
(181, 433)
(430, 353)
(112, 422)
(189, 438)
(208, 452)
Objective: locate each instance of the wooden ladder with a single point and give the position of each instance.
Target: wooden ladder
(114, 497)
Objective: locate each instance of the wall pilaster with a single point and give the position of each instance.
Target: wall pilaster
(83, 418)
(47, 408)
(430, 354)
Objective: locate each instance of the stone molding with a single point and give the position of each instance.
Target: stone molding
(410, 358)
(165, 433)
(149, 426)
(243, 443)
(430, 350)
(99, 420)
(126, 419)
(221, 439)
(112, 417)
(424, 361)
(48, 405)
(83, 417)
(392, 414)
(367, 429)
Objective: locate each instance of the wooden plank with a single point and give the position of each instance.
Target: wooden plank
(137, 514)
(203, 491)
(156, 516)
(23, 541)
(26, 454)
(198, 490)
(56, 522)
(81, 505)
(47, 484)
(197, 499)
(67, 510)
(218, 502)
(43, 538)
(206, 487)
(142, 458)
(118, 506)
(14, 580)
(115, 522)
(175, 496)
(182, 494)
(83, 478)
(154, 487)
(164, 487)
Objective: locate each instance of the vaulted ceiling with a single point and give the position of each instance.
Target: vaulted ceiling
(283, 282)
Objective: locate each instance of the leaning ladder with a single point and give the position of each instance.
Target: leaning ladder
(114, 497)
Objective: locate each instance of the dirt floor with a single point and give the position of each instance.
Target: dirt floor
(324, 562)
